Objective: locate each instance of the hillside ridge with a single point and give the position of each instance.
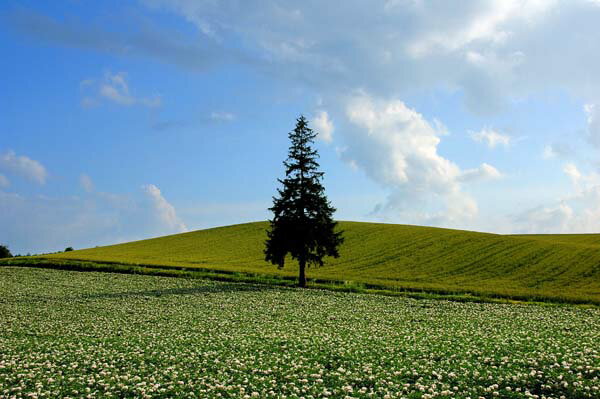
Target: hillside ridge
(395, 256)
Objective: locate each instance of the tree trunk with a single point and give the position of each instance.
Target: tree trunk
(302, 275)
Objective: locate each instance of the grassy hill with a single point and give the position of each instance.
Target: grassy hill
(561, 267)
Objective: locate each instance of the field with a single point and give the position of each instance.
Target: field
(537, 267)
(103, 335)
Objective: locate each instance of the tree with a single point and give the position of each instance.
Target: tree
(68, 249)
(302, 223)
(4, 252)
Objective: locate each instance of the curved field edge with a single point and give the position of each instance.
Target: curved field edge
(288, 281)
(64, 333)
(384, 257)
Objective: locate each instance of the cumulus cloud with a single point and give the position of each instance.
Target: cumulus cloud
(23, 166)
(323, 126)
(114, 88)
(4, 182)
(164, 210)
(398, 148)
(491, 138)
(484, 172)
(403, 144)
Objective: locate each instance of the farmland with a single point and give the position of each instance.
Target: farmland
(556, 267)
(102, 335)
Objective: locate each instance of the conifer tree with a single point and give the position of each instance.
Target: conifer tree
(302, 224)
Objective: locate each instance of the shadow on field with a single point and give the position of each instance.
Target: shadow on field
(200, 290)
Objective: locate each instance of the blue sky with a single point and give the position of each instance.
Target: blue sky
(122, 120)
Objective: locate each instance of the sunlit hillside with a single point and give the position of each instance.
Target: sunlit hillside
(558, 266)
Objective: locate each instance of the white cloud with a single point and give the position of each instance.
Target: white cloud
(113, 94)
(115, 88)
(549, 152)
(24, 166)
(398, 148)
(96, 218)
(572, 171)
(491, 51)
(86, 183)
(460, 210)
(164, 210)
(576, 212)
(486, 27)
(323, 126)
(558, 150)
(484, 172)
(4, 182)
(222, 116)
(491, 138)
(399, 144)
(545, 220)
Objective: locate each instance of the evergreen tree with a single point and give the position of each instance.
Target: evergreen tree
(302, 223)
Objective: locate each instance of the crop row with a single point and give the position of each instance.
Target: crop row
(101, 335)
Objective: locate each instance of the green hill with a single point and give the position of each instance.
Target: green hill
(563, 267)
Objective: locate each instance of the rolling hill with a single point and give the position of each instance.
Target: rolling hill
(560, 267)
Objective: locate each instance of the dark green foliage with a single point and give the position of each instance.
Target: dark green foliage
(4, 252)
(302, 224)
(68, 249)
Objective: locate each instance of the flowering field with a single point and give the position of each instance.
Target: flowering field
(72, 334)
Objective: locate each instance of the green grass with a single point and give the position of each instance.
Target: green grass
(104, 335)
(395, 257)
